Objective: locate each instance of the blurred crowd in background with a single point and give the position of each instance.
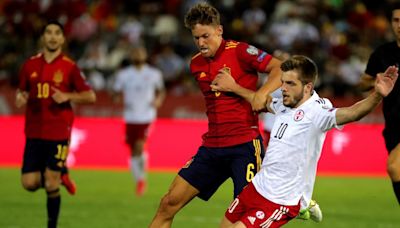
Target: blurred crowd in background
(338, 34)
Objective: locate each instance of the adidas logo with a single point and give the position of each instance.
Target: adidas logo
(251, 219)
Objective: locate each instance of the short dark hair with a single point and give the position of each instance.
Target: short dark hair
(308, 71)
(53, 22)
(202, 13)
(395, 5)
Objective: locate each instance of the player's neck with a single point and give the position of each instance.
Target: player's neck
(49, 56)
(303, 100)
(139, 66)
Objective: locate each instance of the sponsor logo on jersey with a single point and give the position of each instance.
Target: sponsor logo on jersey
(34, 75)
(260, 214)
(252, 50)
(251, 219)
(299, 115)
(261, 57)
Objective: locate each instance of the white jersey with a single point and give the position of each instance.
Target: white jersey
(139, 87)
(289, 167)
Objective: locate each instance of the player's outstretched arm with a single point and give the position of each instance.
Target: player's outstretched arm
(384, 84)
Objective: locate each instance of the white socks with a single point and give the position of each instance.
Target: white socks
(138, 164)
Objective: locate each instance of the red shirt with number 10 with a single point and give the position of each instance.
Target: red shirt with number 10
(45, 119)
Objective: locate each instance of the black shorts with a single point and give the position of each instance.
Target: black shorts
(210, 167)
(391, 140)
(40, 154)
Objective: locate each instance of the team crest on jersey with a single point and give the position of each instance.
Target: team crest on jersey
(260, 214)
(252, 50)
(58, 77)
(299, 115)
(202, 75)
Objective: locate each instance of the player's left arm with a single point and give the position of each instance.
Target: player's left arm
(384, 84)
(88, 96)
(160, 97)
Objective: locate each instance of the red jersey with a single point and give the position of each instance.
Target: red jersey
(231, 120)
(45, 119)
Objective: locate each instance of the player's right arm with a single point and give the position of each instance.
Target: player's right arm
(22, 95)
(384, 84)
(21, 98)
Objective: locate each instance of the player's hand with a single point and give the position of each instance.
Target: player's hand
(21, 98)
(59, 96)
(157, 103)
(384, 82)
(223, 82)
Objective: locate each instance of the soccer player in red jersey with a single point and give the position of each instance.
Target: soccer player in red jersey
(232, 147)
(49, 82)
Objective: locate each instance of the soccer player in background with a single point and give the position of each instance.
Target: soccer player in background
(386, 55)
(142, 87)
(302, 119)
(49, 82)
(232, 147)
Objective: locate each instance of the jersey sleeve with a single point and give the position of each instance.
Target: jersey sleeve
(325, 115)
(79, 80)
(374, 65)
(276, 104)
(252, 58)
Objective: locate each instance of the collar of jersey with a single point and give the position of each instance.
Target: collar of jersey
(309, 100)
(221, 48)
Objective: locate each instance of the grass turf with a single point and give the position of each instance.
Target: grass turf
(106, 199)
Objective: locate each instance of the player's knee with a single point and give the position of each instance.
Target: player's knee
(50, 185)
(393, 170)
(31, 185)
(169, 204)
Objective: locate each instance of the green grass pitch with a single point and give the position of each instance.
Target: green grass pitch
(105, 199)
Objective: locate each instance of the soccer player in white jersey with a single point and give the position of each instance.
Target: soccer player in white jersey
(143, 92)
(289, 167)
